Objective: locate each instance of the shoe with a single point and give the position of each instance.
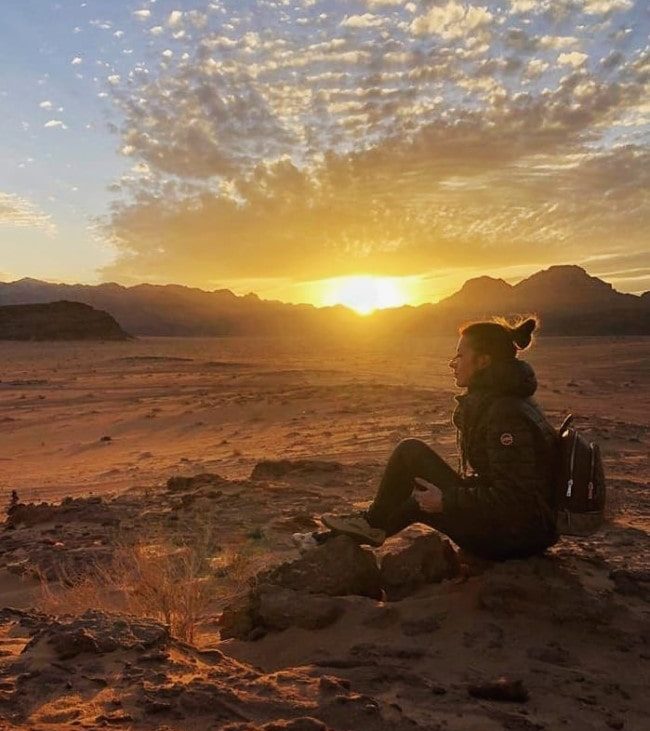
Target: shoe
(304, 541)
(354, 525)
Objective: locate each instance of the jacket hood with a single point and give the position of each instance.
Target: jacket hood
(507, 378)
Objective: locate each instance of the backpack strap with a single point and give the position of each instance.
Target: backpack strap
(565, 423)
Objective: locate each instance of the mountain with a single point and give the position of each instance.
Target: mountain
(58, 321)
(569, 301)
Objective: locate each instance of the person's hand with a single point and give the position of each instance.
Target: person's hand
(428, 496)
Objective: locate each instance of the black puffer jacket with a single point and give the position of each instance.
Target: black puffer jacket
(507, 504)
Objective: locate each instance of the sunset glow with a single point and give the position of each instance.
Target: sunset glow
(365, 294)
(214, 143)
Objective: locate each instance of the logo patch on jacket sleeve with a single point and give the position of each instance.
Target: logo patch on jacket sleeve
(507, 439)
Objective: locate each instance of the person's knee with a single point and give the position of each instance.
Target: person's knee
(410, 448)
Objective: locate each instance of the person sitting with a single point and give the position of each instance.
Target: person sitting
(500, 505)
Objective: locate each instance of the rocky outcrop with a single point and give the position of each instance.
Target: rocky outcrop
(70, 510)
(98, 633)
(339, 567)
(53, 541)
(58, 321)
(302, 593)
(414, 558)
(135, 675)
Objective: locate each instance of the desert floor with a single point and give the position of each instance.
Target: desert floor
(121, 419)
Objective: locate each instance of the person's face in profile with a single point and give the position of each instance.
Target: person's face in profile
(466, 362)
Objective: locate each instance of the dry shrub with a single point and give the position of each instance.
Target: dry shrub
(175, 584)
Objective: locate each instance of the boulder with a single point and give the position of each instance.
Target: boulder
(300, 593)
(239, 618)
(282, 608)
(414, 558)
(338, 567)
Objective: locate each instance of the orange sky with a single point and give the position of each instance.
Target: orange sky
(286, 148)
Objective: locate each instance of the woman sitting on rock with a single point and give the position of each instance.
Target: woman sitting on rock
(501, 508)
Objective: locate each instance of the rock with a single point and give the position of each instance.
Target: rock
(338, 567)
(98, 633)
(188, 484)
(503, 689)
(415, 558)
(269, 607)
(71, 510)
(238, 619)
(299, 593)
(276, 468)
(281, 608)
(29, 515)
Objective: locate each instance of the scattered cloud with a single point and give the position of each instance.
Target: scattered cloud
(452, 20)
(367, 20)
(19, 212)
(55, 124)
(393, 138)
(575, 59)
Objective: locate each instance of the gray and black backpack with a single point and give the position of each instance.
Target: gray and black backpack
(581, 488)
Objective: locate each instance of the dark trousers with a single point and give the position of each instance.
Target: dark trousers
(394, 507)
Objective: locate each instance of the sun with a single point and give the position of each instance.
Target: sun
(365, 294)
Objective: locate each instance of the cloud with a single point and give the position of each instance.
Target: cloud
(142, 14)
(575, 59)
(376, 4)
(175, 18)
(21, 213)
(452, 20)
(602, 7)
(367, 20)
(455, 194)
(444, 134)
(45, 105)
(76, 61)
(55, 124)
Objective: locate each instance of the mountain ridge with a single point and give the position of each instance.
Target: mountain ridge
(568, 300)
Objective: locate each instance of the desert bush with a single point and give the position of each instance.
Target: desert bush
(174, 582)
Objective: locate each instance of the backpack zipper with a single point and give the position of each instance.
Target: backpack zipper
(590, 486)
(569, 485)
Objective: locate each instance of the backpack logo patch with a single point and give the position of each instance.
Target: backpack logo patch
(507, 439)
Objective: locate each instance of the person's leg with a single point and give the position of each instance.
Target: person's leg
(394, 507)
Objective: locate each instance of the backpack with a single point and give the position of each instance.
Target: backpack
(581, 488)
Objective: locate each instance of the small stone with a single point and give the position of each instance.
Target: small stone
(502, 689)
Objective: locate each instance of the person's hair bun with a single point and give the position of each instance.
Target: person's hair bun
(522, 334)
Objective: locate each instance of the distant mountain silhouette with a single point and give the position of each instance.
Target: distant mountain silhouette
(569, 301)
(58, 321)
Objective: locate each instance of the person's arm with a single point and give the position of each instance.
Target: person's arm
(514, 478)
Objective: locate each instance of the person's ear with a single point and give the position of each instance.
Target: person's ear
(483, 361)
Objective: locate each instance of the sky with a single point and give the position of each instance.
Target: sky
(288, 147)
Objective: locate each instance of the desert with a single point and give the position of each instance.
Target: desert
(209, 453)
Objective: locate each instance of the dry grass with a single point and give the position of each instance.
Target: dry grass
(174, 584)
